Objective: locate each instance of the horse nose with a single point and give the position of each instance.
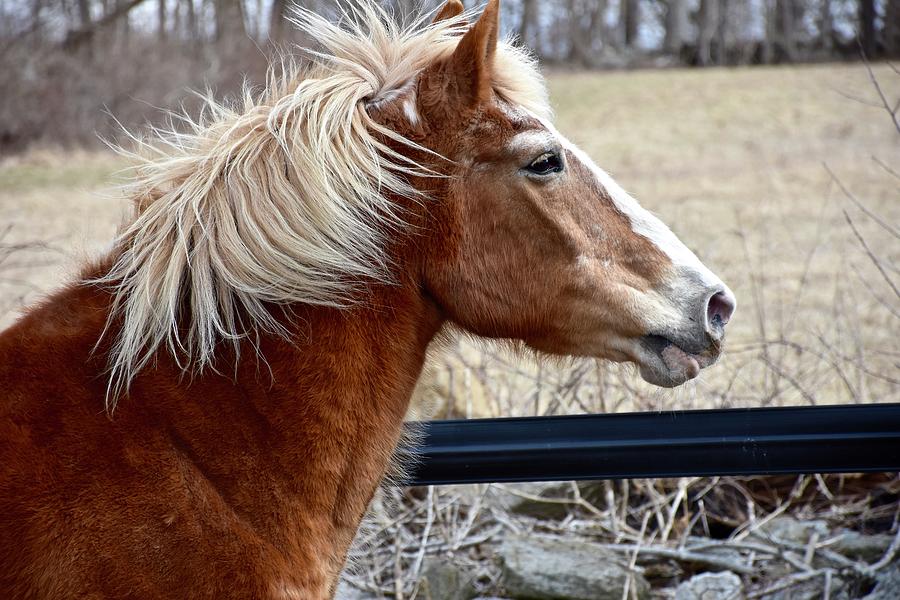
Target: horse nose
(719, 309)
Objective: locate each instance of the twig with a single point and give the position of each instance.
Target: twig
(872, 256)
(687, 556)
(892, 111)
(787, 582)
(886, 226)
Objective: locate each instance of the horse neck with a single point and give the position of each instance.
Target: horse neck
(298, 441)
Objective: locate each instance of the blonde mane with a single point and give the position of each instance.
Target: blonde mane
(284, 199)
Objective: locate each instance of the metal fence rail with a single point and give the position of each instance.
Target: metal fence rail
(822, 439)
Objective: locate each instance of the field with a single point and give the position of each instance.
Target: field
(776, 177)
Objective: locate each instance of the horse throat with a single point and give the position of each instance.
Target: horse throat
(296, 446)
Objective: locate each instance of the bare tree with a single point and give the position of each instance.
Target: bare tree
(528, 23)
(85, 33)
(707, 26)
(84, 13)
(629, 21)
(785, 30)
(230, 26)
(193, 32)
(586, 27)
(161, 19)
(826, 25)
(276, 20)
(892, 28)
(866, 29)
(36, 22)
(676, 26)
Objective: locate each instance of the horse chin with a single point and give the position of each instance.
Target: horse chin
(665, 378)
(665, 364)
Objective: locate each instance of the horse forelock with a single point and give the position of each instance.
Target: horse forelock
(284, 198)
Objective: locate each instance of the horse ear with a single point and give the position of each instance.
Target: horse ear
(453, 8)
(472, 61)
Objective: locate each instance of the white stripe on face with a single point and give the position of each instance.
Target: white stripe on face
(643, 222)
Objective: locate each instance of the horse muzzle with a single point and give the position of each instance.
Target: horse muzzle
(670, 357)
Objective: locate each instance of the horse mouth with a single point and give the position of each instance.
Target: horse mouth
(668, 364)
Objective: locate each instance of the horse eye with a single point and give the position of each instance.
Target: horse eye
(546, 163)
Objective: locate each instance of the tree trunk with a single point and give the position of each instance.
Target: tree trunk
(84, 13)
(276, 20)
(526, 26)
(826, 26)
(192, 32)
(892, 28)
(36, 23)
(867, 27)
(718, 52)
(161, 19)
(629, 21)
(707, 26)
(785, 32)
(123, 26)
(580, 45)
(77, 37)
(676, 26)
(230, 21)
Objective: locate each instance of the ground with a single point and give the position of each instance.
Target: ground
(746, 165)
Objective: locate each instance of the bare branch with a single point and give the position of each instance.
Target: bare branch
(872, 256)
(892, 111)
(886, 226)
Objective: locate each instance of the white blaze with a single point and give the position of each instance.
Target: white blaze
(643, 222)
(691, 279)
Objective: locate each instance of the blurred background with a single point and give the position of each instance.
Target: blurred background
(764, 132)
(67, 63)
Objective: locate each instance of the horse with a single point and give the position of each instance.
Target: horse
(207, 410)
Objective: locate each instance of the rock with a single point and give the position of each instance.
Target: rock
(345, 591)
(444, 581)
(789, 529)
(867, 548)
(663, 571)
(538, 508)
(711, 586)
(887, 586)
(814, 589)
(556, 569)
(722, 552)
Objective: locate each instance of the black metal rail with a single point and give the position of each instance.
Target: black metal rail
(822, 439)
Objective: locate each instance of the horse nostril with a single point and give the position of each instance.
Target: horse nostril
(720, 308)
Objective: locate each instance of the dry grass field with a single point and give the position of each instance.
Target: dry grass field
(736, 161)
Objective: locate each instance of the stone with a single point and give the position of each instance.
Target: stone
(814, 589)
(345, 591)
(858, 546)
(562, 569)
(724, 585)
(538, 509)
(722, 552)
(442, 580)
(791, 530)
(887, 587)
